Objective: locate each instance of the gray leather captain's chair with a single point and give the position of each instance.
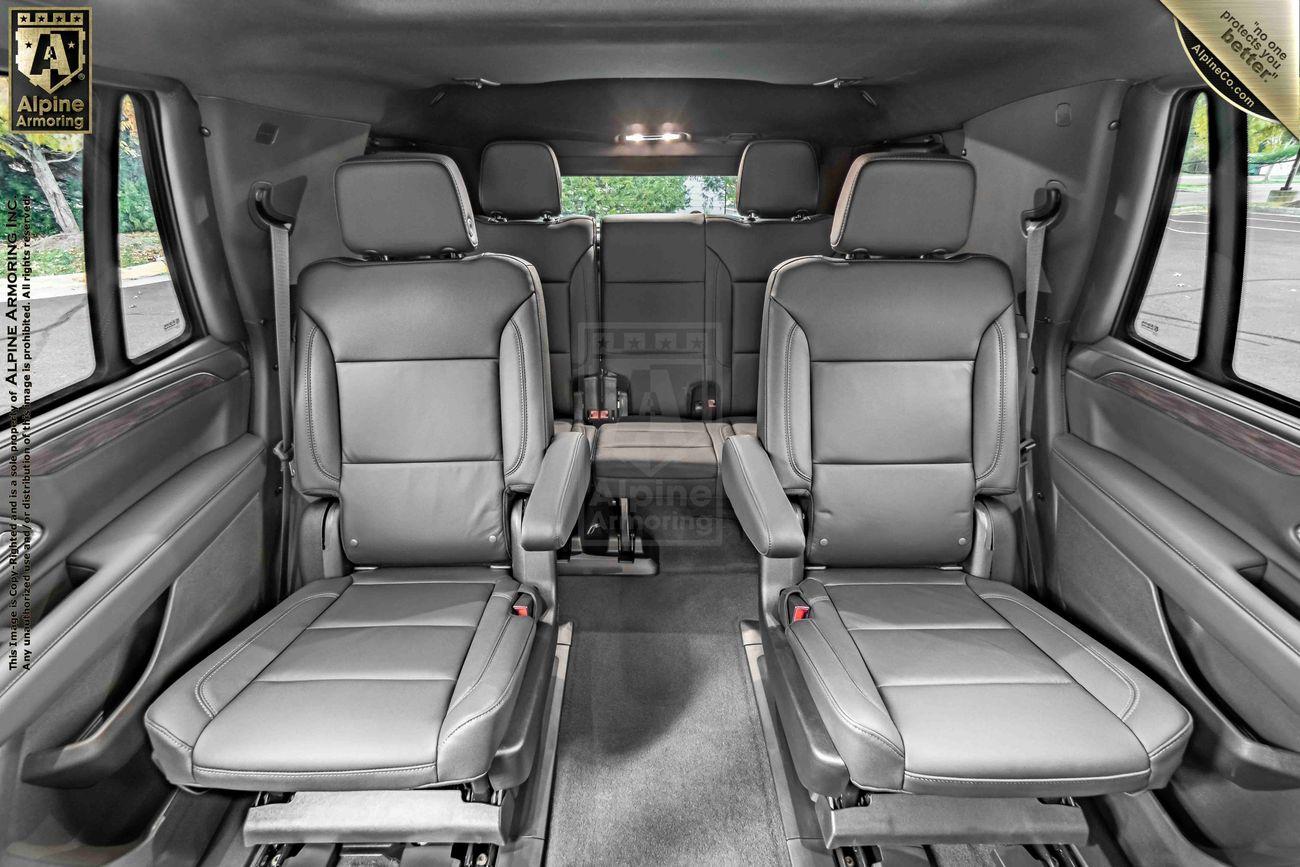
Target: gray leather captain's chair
(423, 409)
(887, 411)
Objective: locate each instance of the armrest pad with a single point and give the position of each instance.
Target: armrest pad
(558, 493)
(760, 502)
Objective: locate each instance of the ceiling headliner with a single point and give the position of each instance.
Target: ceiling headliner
(931, 65)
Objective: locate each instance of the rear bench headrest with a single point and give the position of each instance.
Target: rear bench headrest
(778, 179)
(519, 179)
(904, 205)
(404, 205)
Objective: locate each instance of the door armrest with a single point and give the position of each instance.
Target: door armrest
(761, 504)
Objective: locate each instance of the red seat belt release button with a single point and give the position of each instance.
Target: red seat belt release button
(800, 612)
(521, 610)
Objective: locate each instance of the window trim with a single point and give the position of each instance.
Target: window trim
(1225, 251)
(160, 197)
(100, 243)
(1157, 219)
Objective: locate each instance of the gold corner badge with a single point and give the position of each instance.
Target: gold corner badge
(1247, 51)
(49, 70)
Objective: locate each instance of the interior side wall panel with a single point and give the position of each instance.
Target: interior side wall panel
(219, 591)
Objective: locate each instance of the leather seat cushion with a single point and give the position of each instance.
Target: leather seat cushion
(646, 456)
(384, 679)
(934, 682)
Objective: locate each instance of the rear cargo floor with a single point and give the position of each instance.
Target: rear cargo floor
(661, 753)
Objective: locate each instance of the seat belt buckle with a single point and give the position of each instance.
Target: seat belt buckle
(1027, 445)
(522, 606)
(796, 608)
(597, 415)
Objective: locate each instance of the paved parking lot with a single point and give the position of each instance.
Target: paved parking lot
(61, 344)
(1269, 348)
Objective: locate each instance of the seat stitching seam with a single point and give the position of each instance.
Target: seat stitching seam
(1172, 739)
(167, 733)
(835, 703)
(852, 184)
(1135, 694)
(217, 666)
(232, 772)
(496, 645)
(523, 407)
(1019, 781)
(839, 618)
(1184, 557)
(311, 416)
(83, 615)
(1002, 403)
(505, 691)
(790, 457)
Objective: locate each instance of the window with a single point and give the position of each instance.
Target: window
(599, 196)
(1172, 305)
(1222, 298)
(41, 196)
(1267, 348)
(151, 312)
(45, 207)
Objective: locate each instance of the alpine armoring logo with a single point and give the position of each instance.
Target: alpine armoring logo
(49, 71)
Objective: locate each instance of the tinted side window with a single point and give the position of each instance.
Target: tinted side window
(41, 195)
(1172, 306)
(1267, 347)
(152, 315)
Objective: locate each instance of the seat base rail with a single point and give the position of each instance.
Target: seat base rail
(914, 820)
(410, 816)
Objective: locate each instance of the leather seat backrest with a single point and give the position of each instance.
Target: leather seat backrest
(777, 195)
(519, 195)
(653, 308)
(887, 392)
(422, 383)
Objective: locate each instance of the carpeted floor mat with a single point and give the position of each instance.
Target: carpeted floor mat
(661, 755)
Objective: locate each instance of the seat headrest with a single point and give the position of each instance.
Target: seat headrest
(404, 205)
(778, 179)
(904, 205)
(519, 179)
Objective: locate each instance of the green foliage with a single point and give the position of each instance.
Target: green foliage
(63, 152)
(57, 261)
(139, 248)
(134, 208)
(719, 194)
(1267, 141)
(597, 196)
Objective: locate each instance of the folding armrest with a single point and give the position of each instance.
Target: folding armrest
(760, 502)
(558, 493)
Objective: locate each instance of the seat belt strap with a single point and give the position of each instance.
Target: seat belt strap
(1035, 235)
(283, 307)
(283, 342)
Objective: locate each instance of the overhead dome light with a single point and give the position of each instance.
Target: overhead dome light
(641, 137)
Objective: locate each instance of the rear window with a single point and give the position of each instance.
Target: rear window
(600, 195)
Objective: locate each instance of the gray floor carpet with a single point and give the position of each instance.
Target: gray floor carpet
(661, 755)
